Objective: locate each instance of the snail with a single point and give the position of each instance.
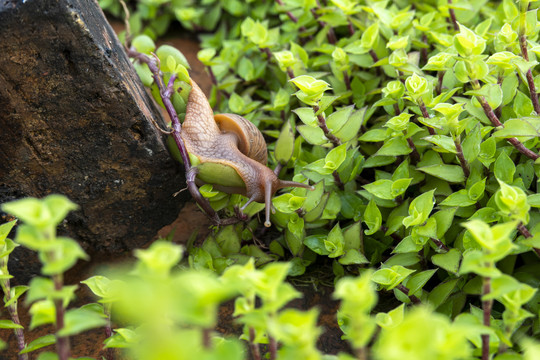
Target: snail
(229, 153)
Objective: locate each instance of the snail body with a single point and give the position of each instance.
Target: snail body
(229, 152)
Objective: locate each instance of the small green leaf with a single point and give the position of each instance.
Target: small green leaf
(39, 343)
(394, 147)
(372, 218)
(450, 173)
(285, 144)
(448, 261)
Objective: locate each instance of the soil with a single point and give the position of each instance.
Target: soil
(189, 220)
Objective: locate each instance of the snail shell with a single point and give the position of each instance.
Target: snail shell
(229, 152)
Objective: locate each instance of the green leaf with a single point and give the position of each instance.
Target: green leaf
(337, 119)
(441, 292)
(460, 198)
(8, 324)
(419, 209)
(517, 127)
(418, 280)
(313, 135)
(39, 343)
(335, 157)
(448, 261)
(5, 229)
(163, 53)
(285, 144)
(16, 292)
(67, 251)
(504, 168)
(80, 320)
(391, 277)
(445, 143)
(316, 243)
(372, 218)
(353, 257)
(394, 147)
(450, 173)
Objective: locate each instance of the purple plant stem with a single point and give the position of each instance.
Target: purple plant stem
(425, 114)
(108, 330)
(496, 122)
(255, 351)
(424, 51)
(415, 155)
(439, 244)
(486, 309)
(453, 16)
(350, 26)
(331, 36)
(207, 338)
(462, 161)
(525, 232)
(347, 80)
(322, 124)
(272, 347)
(13, 313)
(375, 59)
(62, 342)
(405, 290)
(440, 77)
(529, 75)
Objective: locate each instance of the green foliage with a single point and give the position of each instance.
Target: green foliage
(420, 136)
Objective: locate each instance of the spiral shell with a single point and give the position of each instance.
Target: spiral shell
(250, 139)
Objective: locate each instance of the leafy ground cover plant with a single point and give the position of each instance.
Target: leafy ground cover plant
(418, 125)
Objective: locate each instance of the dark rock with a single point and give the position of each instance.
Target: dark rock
(75, 120)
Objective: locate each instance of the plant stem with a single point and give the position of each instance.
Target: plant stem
(440, 77)
(462, 161)
(322, 124)
(272, 347)
(529, 75)
(13, 313)
(347, 80)
(425, 114)
(255, 351)
(525, 232)
(439, 244)
(331, 35)
(108, 329)
(496, 122)
(207, 339)
(405, 290)
(453, 16)
(486, 308)
(62, 342)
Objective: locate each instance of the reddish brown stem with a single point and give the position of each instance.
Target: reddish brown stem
(439, 244)
(322, 124)
(272, 347)
(62, 342)
(425, 114)
(347, 80)
(12, 309)
(255, 351)
(525, 232)
(496, 122)
(440, 77)
(462, 161)
(405, 290)
(414, 155)
(486, 309)
(453, 16)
